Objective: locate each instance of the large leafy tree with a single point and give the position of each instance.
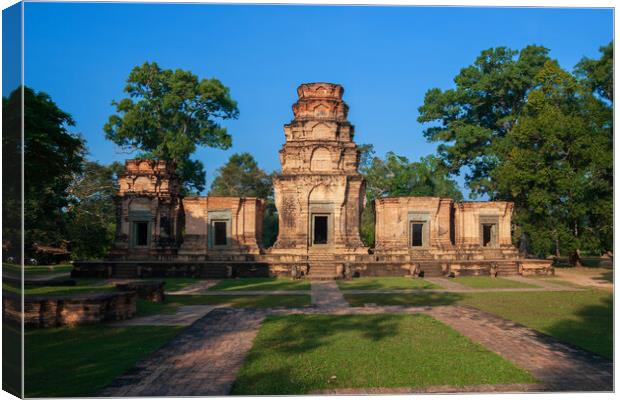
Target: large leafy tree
(537, 135)
(52, 155)
(396, 176)
(483, 107)
(167, 114)
(242, 177)
(554, 166)
(91, 210)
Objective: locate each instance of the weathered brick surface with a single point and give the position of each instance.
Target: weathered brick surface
(559, 366)
(202, 361)
(51, 311)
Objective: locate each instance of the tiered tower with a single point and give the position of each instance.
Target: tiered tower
(320, 193)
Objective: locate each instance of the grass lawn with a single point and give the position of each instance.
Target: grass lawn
(262, 284)
(557, 281)
(63, 362)
(300, 354)
(15, 269)
(257, 301)
(403, 299)
(584, 318)
(173, 284)
(11, 358)
(386, 283)
(487, 282)
(82, 286)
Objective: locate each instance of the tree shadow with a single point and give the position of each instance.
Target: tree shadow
(592, 329)
(605, 277)
(423, 299)
(302, 333)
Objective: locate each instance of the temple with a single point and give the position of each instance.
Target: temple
(319, 195)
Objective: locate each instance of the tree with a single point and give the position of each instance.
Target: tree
(92, 210)
(532, 133)
(556, 165)
(482, 109)
(167, 114)
(598, 75)
(52, 155)
(241, 177)
(396, 176)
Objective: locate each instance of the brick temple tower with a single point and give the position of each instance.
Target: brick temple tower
(320, 193)
(148, 211)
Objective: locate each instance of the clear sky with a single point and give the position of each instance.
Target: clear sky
(385, 57)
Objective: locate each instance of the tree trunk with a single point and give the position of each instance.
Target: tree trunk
(575, 259)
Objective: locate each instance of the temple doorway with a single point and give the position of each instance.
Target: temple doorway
(320, 229)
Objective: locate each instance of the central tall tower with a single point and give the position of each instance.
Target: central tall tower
(319, 193)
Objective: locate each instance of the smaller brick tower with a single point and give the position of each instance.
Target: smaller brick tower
(148, 211)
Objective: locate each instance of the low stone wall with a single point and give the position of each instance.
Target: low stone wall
(147, 290)
(53, 311)
(369, 265)
(529, 267)
(158, 269)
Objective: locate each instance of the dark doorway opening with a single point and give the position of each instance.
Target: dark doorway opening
(219, 228)
(142, 233)
(487, 234)
(320, 229)
(416, 235)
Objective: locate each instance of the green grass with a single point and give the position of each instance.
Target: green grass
(261, 284)
(63, 362)
(15, 269)
(300, 354)
(82, 286)
(11, 358)
(174, 284)
(487, 282)
(386, 283)
(256, 301)
(557, 281)
(403, 299)
(584, 318)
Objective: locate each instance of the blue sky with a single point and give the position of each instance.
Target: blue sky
(385, 57)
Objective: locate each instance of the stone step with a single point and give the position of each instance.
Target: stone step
(323, 277)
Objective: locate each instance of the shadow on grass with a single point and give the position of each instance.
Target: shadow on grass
(591, 328)
(605, 277)
(260, 284)
(302, 333)
(386, 283)
(403, 299)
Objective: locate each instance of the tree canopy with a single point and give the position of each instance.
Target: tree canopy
(52, 155)
(483, 107)
(530, 132)
(241, 177)
(167, 114)
(91, 210)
